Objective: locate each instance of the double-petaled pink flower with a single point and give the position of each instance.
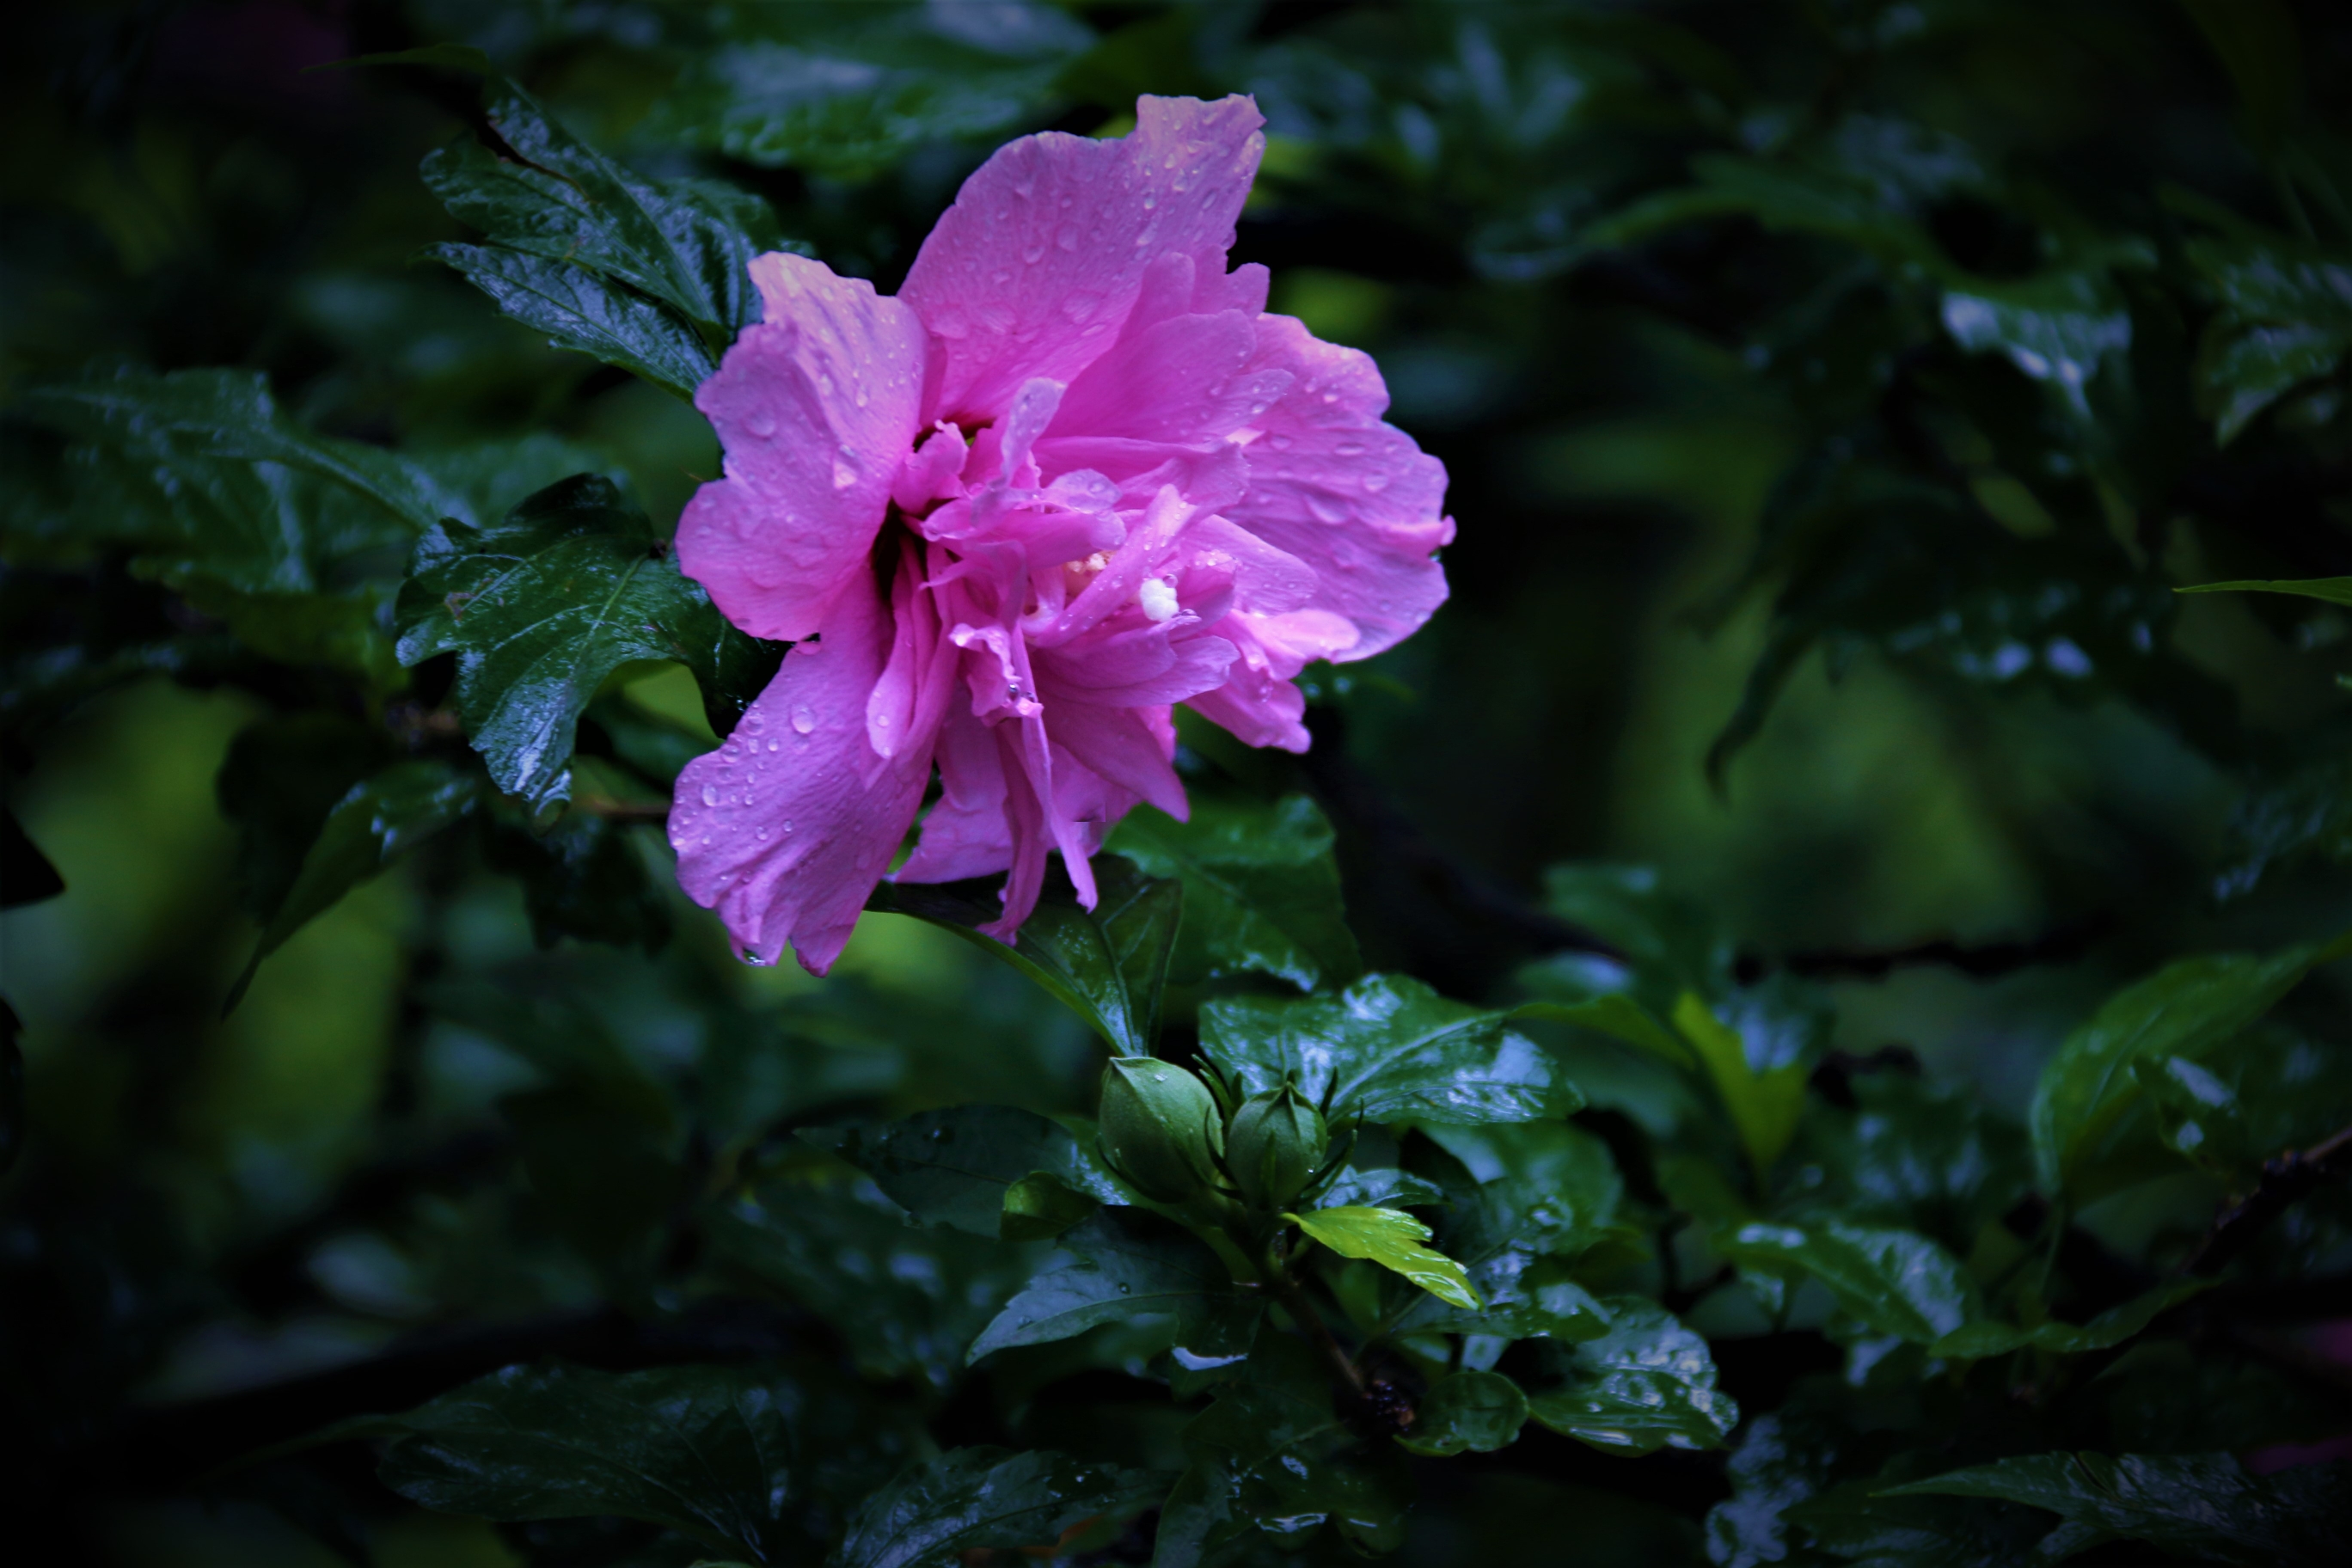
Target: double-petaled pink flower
(1071, 475)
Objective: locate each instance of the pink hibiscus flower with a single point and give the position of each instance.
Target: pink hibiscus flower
(1071, 475)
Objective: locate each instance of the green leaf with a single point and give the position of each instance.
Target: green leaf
(983, 1499)
(278, 783)
(2334, 589)
(583, 877)
(1932, 1159)
(1038, 1207)
(685, 243)
(1621, 1018)
(908, 1300)
(2186, 1009)
(1647, 1384)
(2203, 1506)
(1894, 1281)
(379, 821)
(1975, 1342)
(229, 414)
(1273, 1454)
(759, 1463)
(540, 609)
(1537, 1196)
(1108, 964)
(2285, 319)
(1671, 942)
(586, 313)
(961, 1166)
(1261, 890)
(1764, 1107)
(1382, 1186)
(846, 91)
(1386, 1048)
(1122, 1263)
(1475, 1412)
(1393, 1239)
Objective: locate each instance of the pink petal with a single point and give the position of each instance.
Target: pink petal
(1351, 496)
(1033, 269)
(1128, 747)
(785, 829)
(967, 833)
(816, 408)
(1179, 380)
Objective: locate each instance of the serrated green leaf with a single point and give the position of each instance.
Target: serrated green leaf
(983, 1499)
(379, 820)
(1261, 890)
(1647, 1384)
(683, 242)
(1108, 964)
(959, 1166)
(760, 1462)
(1386, 1048)
(1894, 1281)
(2204, 1506)
(908, 1300)
(586, 313)
(2186, 1009)
(541, 609)
(1395, 1240)
(1122, 1263)
(1472, 1412)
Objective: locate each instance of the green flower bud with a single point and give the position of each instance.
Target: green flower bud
(1160, 1129)
(1274, 1145)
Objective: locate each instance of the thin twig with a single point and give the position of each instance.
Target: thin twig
(2285, 1182)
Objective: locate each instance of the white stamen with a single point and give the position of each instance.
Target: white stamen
(1158, 598)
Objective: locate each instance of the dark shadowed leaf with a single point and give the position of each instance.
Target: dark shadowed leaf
(2334, 589)
(2186, 1009)
(981, 1499)
(848, 89)
(1108, 964)
(761, 1463)
(1261, 890)
(1647, 1384)
(541, 609)
(379, 821)
(908, 1298)
(959, 1166)
(1122, 1263)
(26, 877)
(1475, 1412)
(1386, 1048)
(1273, 1454)
(1538, 1194)
(2200, 1506)
(583, 877)
(1895, 1281)
(278, 783)
(2109, 1328)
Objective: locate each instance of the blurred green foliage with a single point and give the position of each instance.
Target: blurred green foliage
(1838, 959)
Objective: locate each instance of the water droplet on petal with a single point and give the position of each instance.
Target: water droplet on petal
(709, 797)
(803, 719)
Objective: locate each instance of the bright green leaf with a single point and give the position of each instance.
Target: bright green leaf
(1764, 1106)
(1393, 1239)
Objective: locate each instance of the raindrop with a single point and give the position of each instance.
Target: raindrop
(709, 797)
(803, 719)
(1032, 254)
(761, 426)
(1376, 483)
